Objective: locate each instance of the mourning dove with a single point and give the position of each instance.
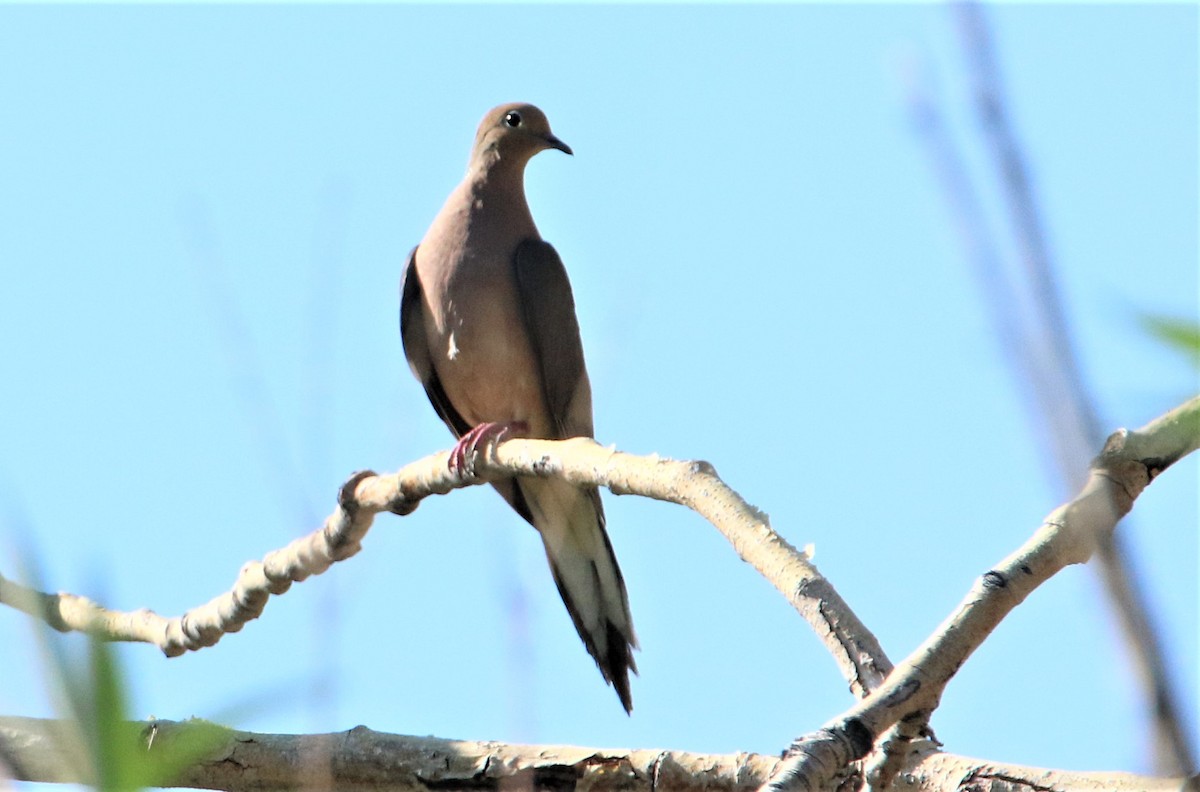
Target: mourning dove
(488, 323)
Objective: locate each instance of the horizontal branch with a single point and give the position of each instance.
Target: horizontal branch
(1069, 535)
(580, 461)
(361, 760)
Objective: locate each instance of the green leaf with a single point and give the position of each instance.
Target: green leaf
(105, 719)
(1182, 334)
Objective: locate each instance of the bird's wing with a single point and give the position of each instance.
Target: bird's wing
(416, 347)
(548, 313)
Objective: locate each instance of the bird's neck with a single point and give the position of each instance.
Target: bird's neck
(496, 184)
(491, 168)
(497, 179)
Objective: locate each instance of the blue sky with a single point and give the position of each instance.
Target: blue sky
(206, 214)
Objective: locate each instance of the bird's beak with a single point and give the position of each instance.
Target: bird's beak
(555, 143)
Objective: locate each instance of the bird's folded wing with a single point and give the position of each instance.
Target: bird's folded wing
(548, 311)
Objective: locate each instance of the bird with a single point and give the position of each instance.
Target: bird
(488, 326)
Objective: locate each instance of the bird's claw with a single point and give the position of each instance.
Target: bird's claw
(484, 437)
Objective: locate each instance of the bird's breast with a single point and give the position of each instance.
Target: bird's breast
(480, 347)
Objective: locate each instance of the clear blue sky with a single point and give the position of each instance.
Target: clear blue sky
(205, 214)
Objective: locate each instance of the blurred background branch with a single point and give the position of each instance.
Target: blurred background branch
(1026, 307)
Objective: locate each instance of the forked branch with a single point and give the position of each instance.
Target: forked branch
(1069, 535)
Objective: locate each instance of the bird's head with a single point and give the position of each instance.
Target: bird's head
(515, 132)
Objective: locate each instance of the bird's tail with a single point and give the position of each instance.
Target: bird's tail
(571, 522)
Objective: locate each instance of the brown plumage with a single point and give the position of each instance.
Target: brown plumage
(488, 324)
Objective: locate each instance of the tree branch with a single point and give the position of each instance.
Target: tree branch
(361, 760)
(1045, 359)
(1069, 535)
(581, 461)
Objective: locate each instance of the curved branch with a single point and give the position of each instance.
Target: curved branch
(581, 461)
(1069, 535)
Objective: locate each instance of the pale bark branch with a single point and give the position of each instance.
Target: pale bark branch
(1069, 535)
(1045, 360)
(580, 461)
(361, 760)
(1128, 463)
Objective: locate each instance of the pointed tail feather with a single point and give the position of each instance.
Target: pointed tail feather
(571, 522)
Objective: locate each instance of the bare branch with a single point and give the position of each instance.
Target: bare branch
(1128, 463)
(1069, 535)
(361, 760)
(580, 461)
(1046, 362)
(887, 761)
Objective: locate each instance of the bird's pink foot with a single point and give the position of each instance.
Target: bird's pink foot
(480, 438)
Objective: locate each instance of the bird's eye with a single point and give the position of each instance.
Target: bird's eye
(513, 119)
